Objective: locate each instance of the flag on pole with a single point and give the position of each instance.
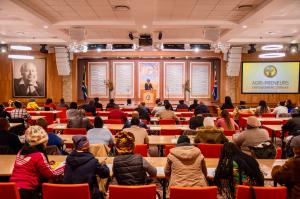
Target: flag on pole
(83, 86)
(215, 84)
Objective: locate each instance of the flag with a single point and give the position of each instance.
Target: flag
(215, 84)
(83, 86)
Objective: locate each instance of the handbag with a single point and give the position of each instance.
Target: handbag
(265, 150)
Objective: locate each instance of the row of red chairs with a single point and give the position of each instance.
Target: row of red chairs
(81, 191)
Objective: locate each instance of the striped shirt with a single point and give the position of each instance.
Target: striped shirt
(20, 113)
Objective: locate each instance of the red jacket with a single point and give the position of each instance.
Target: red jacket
(29, 169)
(117, 114)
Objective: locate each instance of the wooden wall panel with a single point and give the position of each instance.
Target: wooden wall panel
(54, 82)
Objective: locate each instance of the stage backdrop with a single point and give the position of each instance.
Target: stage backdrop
(149, 70)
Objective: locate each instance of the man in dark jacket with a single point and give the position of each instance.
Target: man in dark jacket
(9, 142)
(82, 167)
(293, 125)
(129, 168)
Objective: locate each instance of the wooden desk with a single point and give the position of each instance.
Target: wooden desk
(63, 126)
(36, 117)
(12, 125)
(39, 112)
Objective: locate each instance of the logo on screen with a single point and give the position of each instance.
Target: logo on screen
(270, 71)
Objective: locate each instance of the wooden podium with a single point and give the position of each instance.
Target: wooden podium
(148, 96)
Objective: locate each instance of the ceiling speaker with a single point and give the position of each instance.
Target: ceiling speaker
(212, 34)
(62, 61)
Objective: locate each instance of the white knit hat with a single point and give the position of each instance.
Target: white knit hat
(253, 122)
(208, 121)
(36, 135)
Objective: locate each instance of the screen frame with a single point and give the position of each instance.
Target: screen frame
(242, 77)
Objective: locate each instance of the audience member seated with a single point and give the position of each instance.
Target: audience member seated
(280, 109)
(227, 123)
(194, 105)
(135, 114)
(4, 113)
(73, 111)
(236, 168)
(49, 105)
(9, 142)
(63, 104)
(242, 105)
(242, 108)
(168, 102)
(80, 121)
(91, 108)
(201, 108)
(168, 113)
(32, 167)
(143, 111)
(116, 113)
(288, 174)
(252, 136)
(19, 112)
(293, 125)
(289, 105)
(53, 139)
(186, 165)
(83, 167)
(227, 104)
(32, 104)
(158, 108)
(140, 134)
(129, 104)
(98, 104)
(262, 108)
(196, 121)
(209, 133)
(111, 104)
(130, 168)
(100, 135)
(182, 105)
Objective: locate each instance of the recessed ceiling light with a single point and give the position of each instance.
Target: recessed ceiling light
(98, 49)
(121, 8)
(45, 27)
(14, 47)
(20, 33)
(144, 26)
(271, 55)
(271, 33)
(245, 7)
(20, 57)
(245, 26)
(2, 42)
(272, 47)
(196, 50)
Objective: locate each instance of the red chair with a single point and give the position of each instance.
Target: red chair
(243, 122)
(127, 109)
(74, 131)
(193, 192)
(105, 114)
(186, 114)
(98, 109)
(182, 110)
(109, 109)
(210, 150)
(229, 110)
(132, 192)
(145, 122)
(170, 132)
(166, 121)
(64, 120)
(141, 149)
(48, 116)
(277, 133)
(63, 191)
(278, 153)
(268, 115)
(167, 148)
(9, 190)
(9, 108)
(184, 122)
(113, 121)
(30, 109)
(89, 114)
(229, 133)
(63, 112)
(243, 192)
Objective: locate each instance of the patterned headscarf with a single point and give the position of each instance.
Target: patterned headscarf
(36, 135)
(124, 142)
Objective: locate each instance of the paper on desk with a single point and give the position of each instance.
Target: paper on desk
(211, 172)
(160, 171)
(266, 171)
(279, 162)
(174, 140)
(109, 166)
(57, 165)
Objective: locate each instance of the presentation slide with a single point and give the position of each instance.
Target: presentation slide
(270, 77)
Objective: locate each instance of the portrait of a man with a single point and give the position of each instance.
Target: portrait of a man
(29, 78)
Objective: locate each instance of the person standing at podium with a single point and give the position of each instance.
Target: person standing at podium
(148, 85)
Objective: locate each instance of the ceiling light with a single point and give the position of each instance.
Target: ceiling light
(3, 33)
(196, 50)
(144, 26)
(245, 26)
(271, 55)
(15, 47)
(271, 33)
(2, 42)
(3, 48)
(20, 57)
(272, 47)
(121, 8)
(45, 27)
(98, 49)
(245, 7)
(293, 48)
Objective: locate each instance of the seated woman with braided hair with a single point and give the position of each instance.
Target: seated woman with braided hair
(236, 168)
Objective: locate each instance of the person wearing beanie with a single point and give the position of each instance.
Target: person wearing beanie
(32, 165)
(252, 136)
(186, 165)
(288, 174)
(9, 142)
(130, 168)
(83, 167)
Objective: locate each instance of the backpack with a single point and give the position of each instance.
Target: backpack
(265, 150)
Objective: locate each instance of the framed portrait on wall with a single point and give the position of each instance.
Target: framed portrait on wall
(29, 78)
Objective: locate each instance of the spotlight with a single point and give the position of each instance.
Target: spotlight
(130, 35)
(252, 48)
(293, 48)
(160, 35)
(43, 48)
(3, 48)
